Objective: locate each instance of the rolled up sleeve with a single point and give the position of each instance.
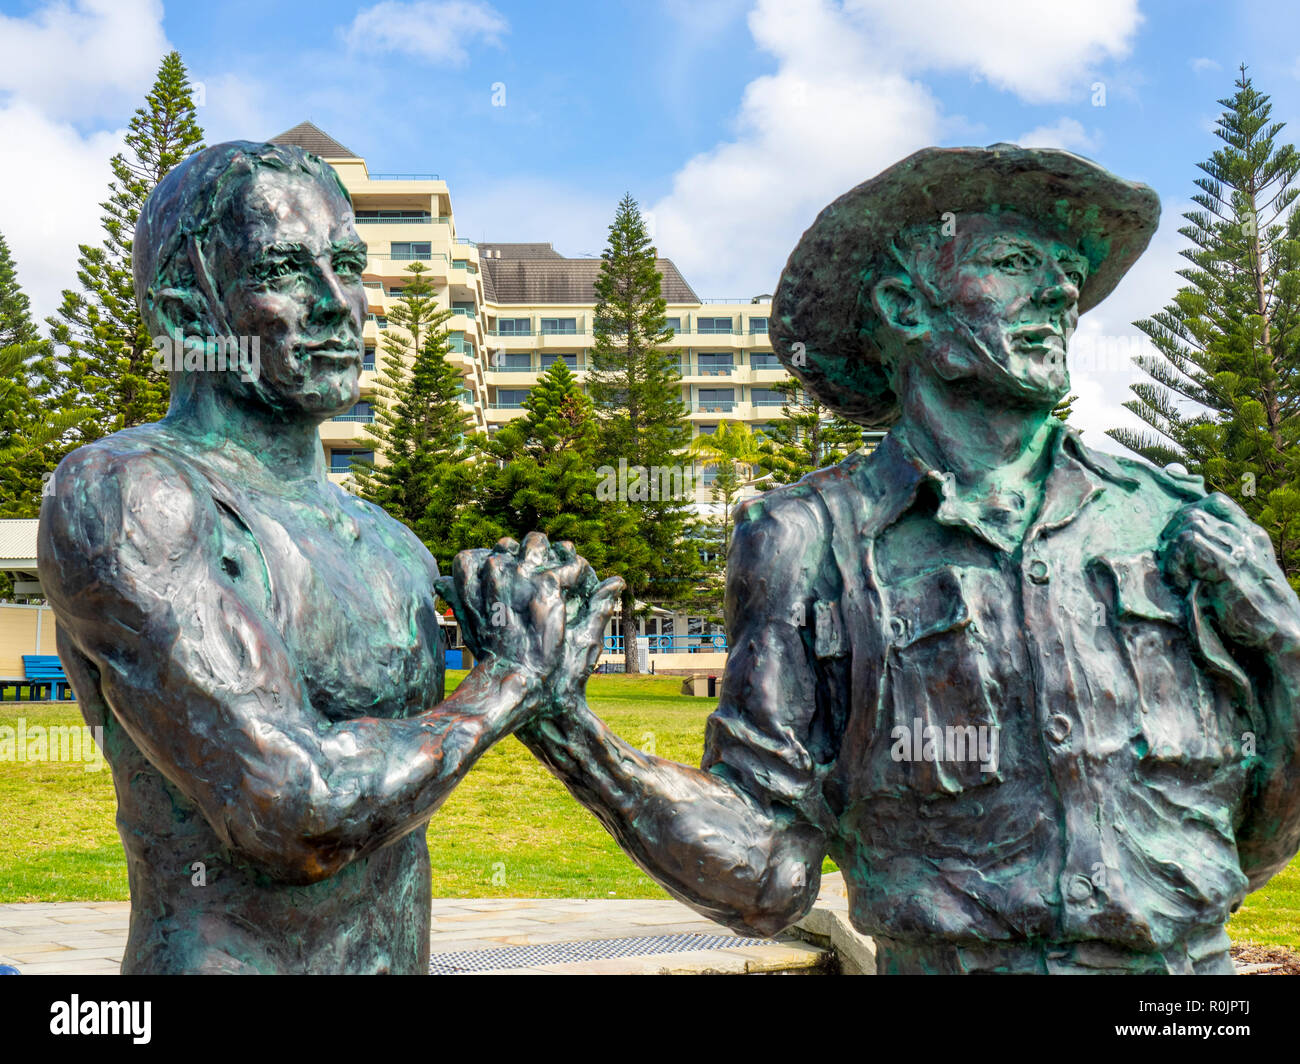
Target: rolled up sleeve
(761, 737)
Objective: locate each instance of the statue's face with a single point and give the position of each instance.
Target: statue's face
(292, 264)
(1009, 291)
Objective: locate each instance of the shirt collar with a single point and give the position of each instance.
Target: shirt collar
(892, 475)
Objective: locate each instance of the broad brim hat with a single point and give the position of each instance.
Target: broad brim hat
(817, 303)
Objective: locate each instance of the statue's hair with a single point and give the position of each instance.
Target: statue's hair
(911, 257)
(192, 200)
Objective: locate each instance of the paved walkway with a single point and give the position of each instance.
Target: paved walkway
(470, 936)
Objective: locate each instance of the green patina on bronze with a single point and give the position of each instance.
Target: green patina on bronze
(261, 648)
(1039, 703)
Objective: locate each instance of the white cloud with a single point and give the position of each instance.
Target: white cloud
(63, 67)
(1201, 64)
(1039, 51)
(1101, 352)
(49, 203)
(845, 102)
(87, 59)
(435, 30)
(1067, 133)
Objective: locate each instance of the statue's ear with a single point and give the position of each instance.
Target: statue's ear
(901, 308)
(173, 310)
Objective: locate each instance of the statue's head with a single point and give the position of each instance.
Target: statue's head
(992, 305)
(248, 248)
(959, 268)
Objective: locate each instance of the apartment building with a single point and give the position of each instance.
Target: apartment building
(520, 306)
(517, 308)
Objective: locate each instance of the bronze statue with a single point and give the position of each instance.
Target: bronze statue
(261, 648)
(1038, 703)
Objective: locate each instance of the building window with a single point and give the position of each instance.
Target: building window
(713, 325)
(515, 326)
(515, 360)
(707, 430)
(559, 326)
(463, 308)
(719, 362)
(549, 359)
(758, 325)
(675, 324)
(396, 292)
(721, 399)
(412, 249)
(511, 398)
(368, 358)
(361, 411)
(767, 397)
(764, 360)
(341, 460)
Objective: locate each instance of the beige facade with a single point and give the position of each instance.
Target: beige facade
(521, 306)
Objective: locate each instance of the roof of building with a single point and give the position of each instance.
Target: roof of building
(310, 138)
(520, 251)
(18, 542)
(537, 273)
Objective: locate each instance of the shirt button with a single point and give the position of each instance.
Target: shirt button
(1080, 888)
(1058, 728)
(1038, 571)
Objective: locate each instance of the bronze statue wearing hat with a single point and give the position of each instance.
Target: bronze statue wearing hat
(1038, 703)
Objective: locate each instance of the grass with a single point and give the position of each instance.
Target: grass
(509, 830)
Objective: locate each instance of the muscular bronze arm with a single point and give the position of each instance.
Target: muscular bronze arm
(751, 863)
(203, 683)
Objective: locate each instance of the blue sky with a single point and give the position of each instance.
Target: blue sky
(732, 123)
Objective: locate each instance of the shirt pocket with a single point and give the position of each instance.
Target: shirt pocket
(942, 724)
(1177, 712)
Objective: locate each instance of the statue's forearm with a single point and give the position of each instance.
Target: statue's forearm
(708, 844)
(383, 777)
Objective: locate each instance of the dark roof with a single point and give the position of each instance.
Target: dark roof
(536, 273)
(521, 251)
(306, 136)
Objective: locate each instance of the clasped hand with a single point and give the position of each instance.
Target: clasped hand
(535, 606)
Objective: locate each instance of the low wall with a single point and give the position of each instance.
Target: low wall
(24, 630)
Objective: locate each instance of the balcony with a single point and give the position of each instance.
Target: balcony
(405, 177)
(510, 332)
(394, 218)
(714, 406)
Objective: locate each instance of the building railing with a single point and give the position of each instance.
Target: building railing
(365, 419)
(405, 177)
(512, 332)
(714, 406)
(673, 644)
(398, 219)
(496, 404)
(769, 402)
(467, 241)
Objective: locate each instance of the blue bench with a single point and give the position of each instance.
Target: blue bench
(45, 672)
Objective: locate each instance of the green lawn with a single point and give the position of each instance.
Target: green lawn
(509, 830)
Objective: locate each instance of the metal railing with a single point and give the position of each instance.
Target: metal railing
(405, 177)
(364, 419)
(467, 241)
(396, 219)
(715, 406)
(673, 644)
(512, 332)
